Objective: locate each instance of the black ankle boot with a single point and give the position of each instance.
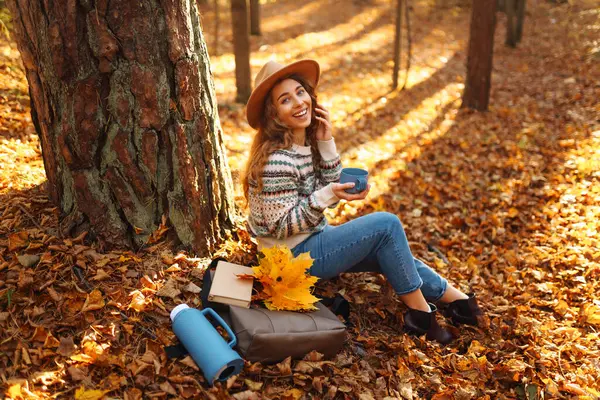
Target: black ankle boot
(421, 322)
(464, 311)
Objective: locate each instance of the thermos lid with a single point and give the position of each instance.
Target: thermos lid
(177, 310)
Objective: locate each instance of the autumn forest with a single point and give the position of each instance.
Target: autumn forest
(123, 140)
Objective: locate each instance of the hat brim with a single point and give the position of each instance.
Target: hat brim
(308, 69)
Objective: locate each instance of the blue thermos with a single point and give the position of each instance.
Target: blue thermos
(205, 344)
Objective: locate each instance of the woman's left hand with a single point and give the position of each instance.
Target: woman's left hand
(339, 189)
(325, 128)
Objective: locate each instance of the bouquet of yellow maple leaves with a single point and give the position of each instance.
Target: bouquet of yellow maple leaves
(284, 281)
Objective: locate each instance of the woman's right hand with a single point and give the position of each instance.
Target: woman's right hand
(339, 191)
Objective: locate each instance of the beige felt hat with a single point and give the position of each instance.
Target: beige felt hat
(268, 75)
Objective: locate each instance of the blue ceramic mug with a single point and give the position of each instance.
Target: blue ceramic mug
(356, 175)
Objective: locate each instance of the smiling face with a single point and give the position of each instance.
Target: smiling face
(293, 104)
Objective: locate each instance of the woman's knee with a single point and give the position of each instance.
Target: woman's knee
(388, 220)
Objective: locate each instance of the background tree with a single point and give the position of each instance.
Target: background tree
(515, 15)
(520, 11)
(217, 27)
(481, 50)
(397, 44)
(241, 49)
(123, 101)
(255, 17)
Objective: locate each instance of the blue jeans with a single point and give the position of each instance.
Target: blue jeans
(372, 243)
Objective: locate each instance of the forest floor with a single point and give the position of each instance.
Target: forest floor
(505, 203)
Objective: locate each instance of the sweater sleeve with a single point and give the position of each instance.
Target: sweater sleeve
(331, 166)
(283, 210)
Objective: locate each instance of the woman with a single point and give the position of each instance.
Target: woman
(292, 176)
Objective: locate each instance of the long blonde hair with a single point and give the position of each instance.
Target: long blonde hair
(273, 135)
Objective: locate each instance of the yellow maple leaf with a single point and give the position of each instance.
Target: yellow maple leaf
(298, 267)
(285, 280)
(303, 296)
(279, 302)
(273, 261)
(298, 298)
(82, 394)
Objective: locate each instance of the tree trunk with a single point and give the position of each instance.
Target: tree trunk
(123, 100)
(217, 26)
(397, 44)
(255, 17)
(481, 50)
(520, 18)
(511, 26)
(241, 49)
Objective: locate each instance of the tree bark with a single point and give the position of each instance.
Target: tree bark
(255, 17)
(123, 100)
(217, 26)
(397, 44)
(520, 18)
(241, 49)
(481, 50)
(511, 25)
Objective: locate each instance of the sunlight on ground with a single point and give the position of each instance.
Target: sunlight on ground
(580, 199)
(21, 163)
(302, 43)
(357, 107)
(402, 141)
(297, 15)
(387, 155)
(10, 58)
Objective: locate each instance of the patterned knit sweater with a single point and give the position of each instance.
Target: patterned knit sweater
(290, 206)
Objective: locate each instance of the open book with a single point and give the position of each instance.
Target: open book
(227, 288)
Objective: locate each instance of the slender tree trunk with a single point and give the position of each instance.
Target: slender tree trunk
(511, 25)
(123, 100)
(481, 50)
(217, 26)
(241, 49)
(255, 17)
(520, 18)
(397, 44)
(408, 41)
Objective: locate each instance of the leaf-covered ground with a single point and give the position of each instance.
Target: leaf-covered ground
(504, 203)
